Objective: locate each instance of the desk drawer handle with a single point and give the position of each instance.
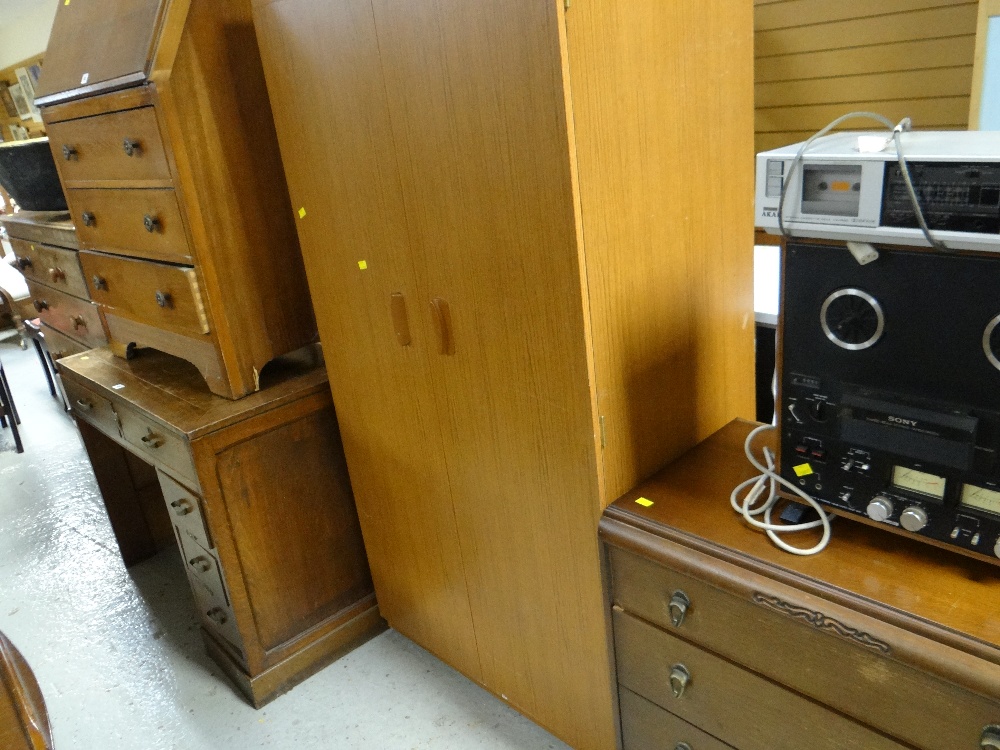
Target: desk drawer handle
(151, 223)
(40, 304)
(23, 264)
(57, 274)
(682, 746)
(680, 677)
(165, 299)
(441, 312)
(69, 152)
(151, 439)
(200, 563)
(990, 739)
(678, 608)
(89, 219)
(84, 405)
(181, 507)
(132, 147)
(100, 283)
(218, 615)
(78, 322)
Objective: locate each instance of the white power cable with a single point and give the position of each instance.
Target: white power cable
(748, 507)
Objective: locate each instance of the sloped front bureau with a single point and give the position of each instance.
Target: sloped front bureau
(167, 153)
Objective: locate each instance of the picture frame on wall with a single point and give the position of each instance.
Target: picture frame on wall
(23, 108)
(24, 78)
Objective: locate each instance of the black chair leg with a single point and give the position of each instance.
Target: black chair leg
(45, 366)
(10, 396)
(8, 409)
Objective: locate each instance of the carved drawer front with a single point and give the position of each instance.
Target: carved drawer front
(185, 511)
(209, 590)
(727, 702)
(646, 726)
(53, 266)
(155, 441)
(156, 294)
(834, 655)
(75, 317)
(116, 147)
(92, 408)
(140, 223)
(60, 345)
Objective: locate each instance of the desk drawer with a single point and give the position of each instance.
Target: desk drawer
(186, 512)
(646, 726)
(209, 591)
(120, 146)
(92, 408)
(156, 294)
(53, 266)
(836, 656)
(728, 702)
(75, 317)
(141, 223)
(60, 345)
(157, 443)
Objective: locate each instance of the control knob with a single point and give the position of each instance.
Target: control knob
(996, 548)
(880, 508)
(913, 518)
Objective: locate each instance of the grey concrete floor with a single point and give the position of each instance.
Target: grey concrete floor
(117, 651)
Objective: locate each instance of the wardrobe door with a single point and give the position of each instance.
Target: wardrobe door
(325, 83)
(479, 116)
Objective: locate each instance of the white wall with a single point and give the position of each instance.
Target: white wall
(24, 29)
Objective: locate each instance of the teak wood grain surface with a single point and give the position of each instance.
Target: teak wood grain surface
(509, 218)
(892, 633)
(24, 721)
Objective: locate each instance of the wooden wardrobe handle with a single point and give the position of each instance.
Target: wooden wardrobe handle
(442, 317)
(400, 321)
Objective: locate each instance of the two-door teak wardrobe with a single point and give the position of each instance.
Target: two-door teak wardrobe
(527, 232)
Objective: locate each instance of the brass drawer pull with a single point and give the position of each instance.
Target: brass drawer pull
(218, 615)
(40, 304)
(151, 223)
(132, 147)
(682, 746)
(151, 439)
(100, 283)
(200, 563)
(84, 405)
(678, 608)
(89, 219)
(164, 299)
(23, 264)
(990, 738)
(442, 318)
(69, 153)
(78, 322)
(57, 274)
(680, 677)
(182, 507)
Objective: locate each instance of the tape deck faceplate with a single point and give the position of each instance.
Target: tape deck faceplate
(890, 389)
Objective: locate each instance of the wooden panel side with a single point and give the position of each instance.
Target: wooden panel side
(321, 59)
(663, 132)
(215, 109)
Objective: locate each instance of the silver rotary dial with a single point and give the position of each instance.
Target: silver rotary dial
(880, 508)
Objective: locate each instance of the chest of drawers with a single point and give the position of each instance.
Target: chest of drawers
(723, 641)
(255, 495)
(46, 249)
(161, 129)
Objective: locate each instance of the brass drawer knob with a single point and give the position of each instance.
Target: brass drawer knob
(990, 738)
(69, 152)
(23, 263)
(151, 223)
(132, 147)
(78, 322)
(151, 439)
(100, 283)
(40, 304)
(678, 607)
(680, 677)
(57, 274)
(181, 507)
(164, 299)
(218, 615)
(89, 219)
(200, 563)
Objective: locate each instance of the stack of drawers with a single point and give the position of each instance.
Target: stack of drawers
(723, 641)
(167, 154)
(45, 247)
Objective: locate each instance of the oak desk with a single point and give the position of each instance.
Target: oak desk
(257, 497)
(724, 641)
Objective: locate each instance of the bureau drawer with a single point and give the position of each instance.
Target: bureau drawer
(185, 511)
(209, 591)
(814, 647)
(156, 442)
(116, 147)
(53, 266)
(728, 702)
(75, 317)
(646, 726)
(157, 294)
(60, 345)
(141, 223)
(92, 408)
